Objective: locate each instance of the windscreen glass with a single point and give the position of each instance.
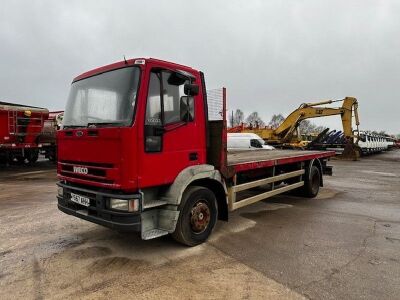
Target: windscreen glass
(105, 99)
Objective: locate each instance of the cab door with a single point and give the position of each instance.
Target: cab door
(173, 135)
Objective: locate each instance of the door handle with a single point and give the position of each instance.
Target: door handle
(193, 156)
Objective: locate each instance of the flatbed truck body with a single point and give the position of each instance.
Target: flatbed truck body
(160, 164)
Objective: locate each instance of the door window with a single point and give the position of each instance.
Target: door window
(153, 122)
(166, 104)
(153, 110)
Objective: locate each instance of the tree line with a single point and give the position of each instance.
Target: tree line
(254, 120)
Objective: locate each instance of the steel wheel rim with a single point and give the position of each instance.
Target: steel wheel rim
(200, 217)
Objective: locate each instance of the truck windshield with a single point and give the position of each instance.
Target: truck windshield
(106, 99)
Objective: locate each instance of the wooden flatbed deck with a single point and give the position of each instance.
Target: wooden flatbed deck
(254, 159)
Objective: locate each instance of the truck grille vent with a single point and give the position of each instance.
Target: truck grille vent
(88, 171)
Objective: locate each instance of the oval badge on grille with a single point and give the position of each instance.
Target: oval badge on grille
(79, 133)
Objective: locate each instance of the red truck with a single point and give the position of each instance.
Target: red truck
(143, 148)
(20, 128)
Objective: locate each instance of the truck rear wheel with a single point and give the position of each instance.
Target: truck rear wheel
(198, 215)
(32, 156)
(20, 160)
(312, 183)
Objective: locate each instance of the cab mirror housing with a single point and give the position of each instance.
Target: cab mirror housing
(191, 89)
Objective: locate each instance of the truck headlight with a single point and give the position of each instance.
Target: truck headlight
(124, 205)
(60, 191)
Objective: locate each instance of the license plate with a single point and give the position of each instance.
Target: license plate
(80, 199)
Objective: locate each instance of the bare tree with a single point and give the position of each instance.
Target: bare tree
(237, 118)
(276, 120)
(254, 120)
(319, 129)
(307, 127)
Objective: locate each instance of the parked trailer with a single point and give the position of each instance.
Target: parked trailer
(20, 127)
(156, 161)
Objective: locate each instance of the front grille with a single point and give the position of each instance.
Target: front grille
(88, 171)
(80, 163)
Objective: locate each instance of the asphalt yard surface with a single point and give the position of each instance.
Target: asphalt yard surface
(344, 244)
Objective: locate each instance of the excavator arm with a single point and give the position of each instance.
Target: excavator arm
(285, 131)
(284, 134)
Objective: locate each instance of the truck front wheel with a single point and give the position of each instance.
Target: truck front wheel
(198, 215)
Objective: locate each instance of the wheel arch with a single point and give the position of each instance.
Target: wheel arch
(200, 175)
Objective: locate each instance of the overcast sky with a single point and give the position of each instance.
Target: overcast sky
(271, 55)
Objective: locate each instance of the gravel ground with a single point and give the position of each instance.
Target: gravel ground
(343, 244)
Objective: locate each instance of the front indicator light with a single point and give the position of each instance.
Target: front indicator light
(60, 191)
(124, 205)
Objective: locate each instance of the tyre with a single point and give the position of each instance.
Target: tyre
(20, 160)
(312, 183)
(32, 156)
(198, 215)
(51, 155)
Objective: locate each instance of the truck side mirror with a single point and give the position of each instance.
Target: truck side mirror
(191, 89)
(186, 109)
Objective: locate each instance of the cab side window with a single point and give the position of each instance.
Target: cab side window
(153, 121)
(153, 109)
(172, 96)
(166, 104)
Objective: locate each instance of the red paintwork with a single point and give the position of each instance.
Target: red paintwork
(9, 140)
(123, 148)
(115, 157)
(161, 168)
(280, 161)
(114, 148)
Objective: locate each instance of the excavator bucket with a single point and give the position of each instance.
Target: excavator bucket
(350, 152)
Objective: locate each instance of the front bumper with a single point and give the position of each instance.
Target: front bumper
(97, 212)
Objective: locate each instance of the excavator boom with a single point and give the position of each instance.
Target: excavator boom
(314, 110)
(285, 133)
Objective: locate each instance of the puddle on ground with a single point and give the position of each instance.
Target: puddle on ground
(90, 252)
(325, 193)
(384, 174)
(263, 213)
(116, 263)
(4, 253)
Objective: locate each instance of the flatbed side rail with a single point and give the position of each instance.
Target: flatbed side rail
(233, 190)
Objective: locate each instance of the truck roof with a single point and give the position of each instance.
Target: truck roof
(129, 62)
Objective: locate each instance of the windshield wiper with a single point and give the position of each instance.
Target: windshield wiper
(73, 126)
(95, 124)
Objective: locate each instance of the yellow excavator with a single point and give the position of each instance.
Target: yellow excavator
(287, 133)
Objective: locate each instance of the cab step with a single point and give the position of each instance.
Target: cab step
(153, 233)
(153, 203)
